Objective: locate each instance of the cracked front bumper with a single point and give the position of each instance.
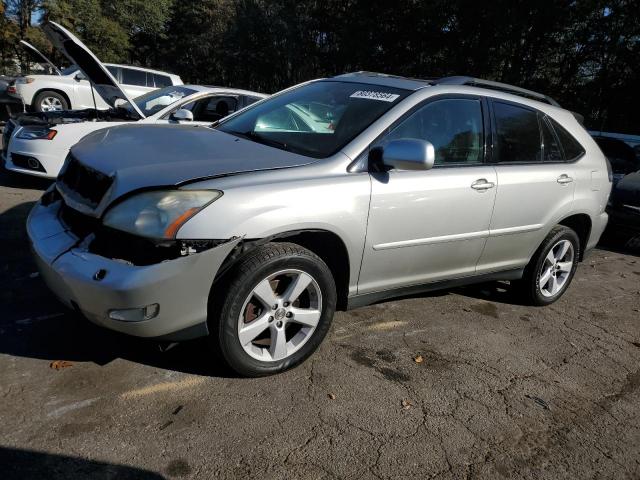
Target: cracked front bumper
(181, 286)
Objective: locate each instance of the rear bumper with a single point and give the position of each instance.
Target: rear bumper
(180, 287)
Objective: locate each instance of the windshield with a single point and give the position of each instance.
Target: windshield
(157, 100)
(317, 119)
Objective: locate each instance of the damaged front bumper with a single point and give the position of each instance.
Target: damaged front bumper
(97, 286)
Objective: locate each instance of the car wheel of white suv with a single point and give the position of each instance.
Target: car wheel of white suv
(551, 269)
(48, 101)
(275, 311)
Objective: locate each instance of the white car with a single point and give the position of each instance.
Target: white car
(71, 89)
(38, 143)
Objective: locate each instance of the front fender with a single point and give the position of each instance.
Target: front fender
(337, 204)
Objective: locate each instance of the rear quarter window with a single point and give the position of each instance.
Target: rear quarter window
(570, 146)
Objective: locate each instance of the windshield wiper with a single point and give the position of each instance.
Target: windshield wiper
(256, 137)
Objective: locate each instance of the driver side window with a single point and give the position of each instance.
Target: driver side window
(454, 127)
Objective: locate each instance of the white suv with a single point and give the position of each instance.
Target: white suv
(70, 90)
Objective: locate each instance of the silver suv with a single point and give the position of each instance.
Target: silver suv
(329, 195)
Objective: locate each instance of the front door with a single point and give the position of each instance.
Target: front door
(430, 225)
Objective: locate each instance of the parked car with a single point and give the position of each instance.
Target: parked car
(624, 209)
(8, 104)
(620, 155)
(38, 143)
(254, 232)
(624, 203)
(71, 89)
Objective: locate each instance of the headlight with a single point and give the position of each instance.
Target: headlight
(24, 80)
(37, 133)
(158, 214)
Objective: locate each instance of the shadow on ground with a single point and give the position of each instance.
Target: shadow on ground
(18, 180)
(20, 464)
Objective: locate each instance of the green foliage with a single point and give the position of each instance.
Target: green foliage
(584, 53)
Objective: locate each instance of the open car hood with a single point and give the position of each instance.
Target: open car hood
(77, 52)
(38, 54)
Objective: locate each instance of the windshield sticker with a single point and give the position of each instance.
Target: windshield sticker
(370, 95)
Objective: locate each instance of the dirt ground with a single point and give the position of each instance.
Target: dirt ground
(502, 390)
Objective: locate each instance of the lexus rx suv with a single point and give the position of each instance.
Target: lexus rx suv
(332, 194)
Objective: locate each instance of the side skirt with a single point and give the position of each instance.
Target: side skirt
(358, 301)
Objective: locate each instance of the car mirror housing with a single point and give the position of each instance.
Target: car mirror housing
(408, 154)
(182, 115)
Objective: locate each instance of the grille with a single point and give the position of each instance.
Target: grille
(80, 224)
(83, 184)
(6, 134)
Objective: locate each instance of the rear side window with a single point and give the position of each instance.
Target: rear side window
(161, 80)
(518, 134)
(453, 126)
(134, 77)
(570, 146)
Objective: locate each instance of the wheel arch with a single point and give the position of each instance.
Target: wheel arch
(581, 224)
(55, 90)
(324, 243)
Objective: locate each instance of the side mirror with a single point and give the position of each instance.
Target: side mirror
(409, 154)
(79, 76)
(119, 102)
(182, 115)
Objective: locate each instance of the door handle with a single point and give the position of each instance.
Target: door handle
(564, 179)
(482, 184)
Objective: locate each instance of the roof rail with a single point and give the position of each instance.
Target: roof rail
(502, 87)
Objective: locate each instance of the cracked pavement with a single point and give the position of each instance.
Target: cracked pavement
(503, 391)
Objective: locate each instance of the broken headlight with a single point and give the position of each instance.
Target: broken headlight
(158, 214)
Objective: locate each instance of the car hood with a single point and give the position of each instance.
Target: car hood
(627, 190)
(141, 156)
(41, 58)
(77, 52)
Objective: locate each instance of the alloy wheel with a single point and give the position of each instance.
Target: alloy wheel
(280, 315)
(556, 268)
(50, 104)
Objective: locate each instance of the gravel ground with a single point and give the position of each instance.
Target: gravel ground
(464, 383)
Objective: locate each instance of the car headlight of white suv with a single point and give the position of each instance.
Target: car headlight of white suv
(158, 214)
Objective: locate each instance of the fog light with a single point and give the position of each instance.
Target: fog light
(33, 163)
(135, 314)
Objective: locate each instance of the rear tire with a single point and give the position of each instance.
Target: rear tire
(274, 309)
(552, 267)
(49, 101)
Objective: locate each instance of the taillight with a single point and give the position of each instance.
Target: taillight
(11, 89)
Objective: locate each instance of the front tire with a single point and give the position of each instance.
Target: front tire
(275, 309)
(552, 267)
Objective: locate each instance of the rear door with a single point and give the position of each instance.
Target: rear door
(431, 225)
(535, 185)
